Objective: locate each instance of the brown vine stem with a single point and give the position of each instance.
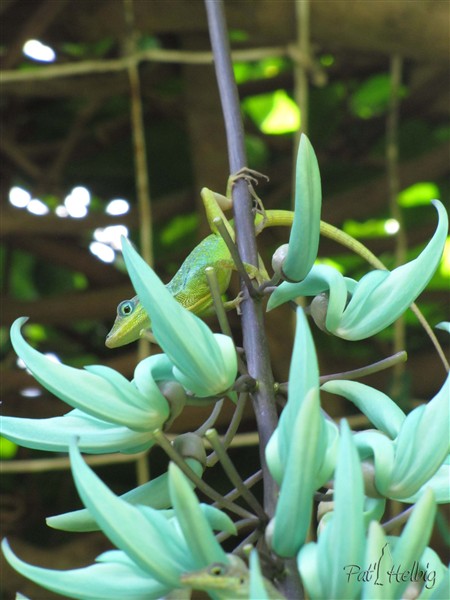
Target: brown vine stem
(253, 330)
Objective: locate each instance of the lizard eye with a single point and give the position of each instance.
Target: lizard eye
(216, 569)
(125, 308)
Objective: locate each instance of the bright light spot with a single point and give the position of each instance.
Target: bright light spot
(444, 267)
(31, 392)
(19, 197)
(77, 202)
(111, 235)
(418, 194)
(21, 364)
(284, 116)
(330, 263)
(61, 211)
(37, 207)
(102, 251)
(38, 51)
(53, 357)
(391, 226)
(117, 207)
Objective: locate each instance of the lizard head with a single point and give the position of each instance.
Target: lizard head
(234, 578)
(131, 321)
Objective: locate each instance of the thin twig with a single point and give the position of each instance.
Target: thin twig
(380, 365)
(249, 482)
(235, 256)
(232, 428)
(211, 420)
(392, 168)
(164, 443)
(161, 55)
(233, 474)
(399, 519)
(216, 296)
(242, 524)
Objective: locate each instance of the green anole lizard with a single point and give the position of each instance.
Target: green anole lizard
(190, 286)
(227, 581)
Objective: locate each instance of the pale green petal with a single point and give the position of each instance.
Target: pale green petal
(378, 407)
(55, 434)
(381, 448)
(93, 394)
(380, 299)
(330, 441)
(293, 511)
(438, 483)
(444, 325)
(373, 509)
(187, 341)
(224, 381)
(415, 536)
(309, 563)
(217, 519)
(303, 376)
(422, 447)
(436, 575)
(321, 278)
(196, 529)
(378, 552)
(272, 451)
(100, 581)
(153, 368)
(305, 232)
(347, 538)
(154, 493)
(147, 541)
(257, 588)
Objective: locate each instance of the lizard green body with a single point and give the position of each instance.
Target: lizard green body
(227, 581)
(190, 286)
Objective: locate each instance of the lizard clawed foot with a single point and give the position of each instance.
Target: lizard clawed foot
(249, 175)
(235, 303)
(251, 178)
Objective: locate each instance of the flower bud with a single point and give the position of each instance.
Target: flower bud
(190, 445)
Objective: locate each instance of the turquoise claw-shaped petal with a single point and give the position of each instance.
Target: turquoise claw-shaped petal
(341, 541)
(305, 232)
(141, 532)
(97, 390)
(378, 299)
(114, 576)
(203, 545)
(154, 493)
(294, 506)
(205, 363)
(378, 407)
(96, 436)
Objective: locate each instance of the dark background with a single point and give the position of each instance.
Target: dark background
(62, 131)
